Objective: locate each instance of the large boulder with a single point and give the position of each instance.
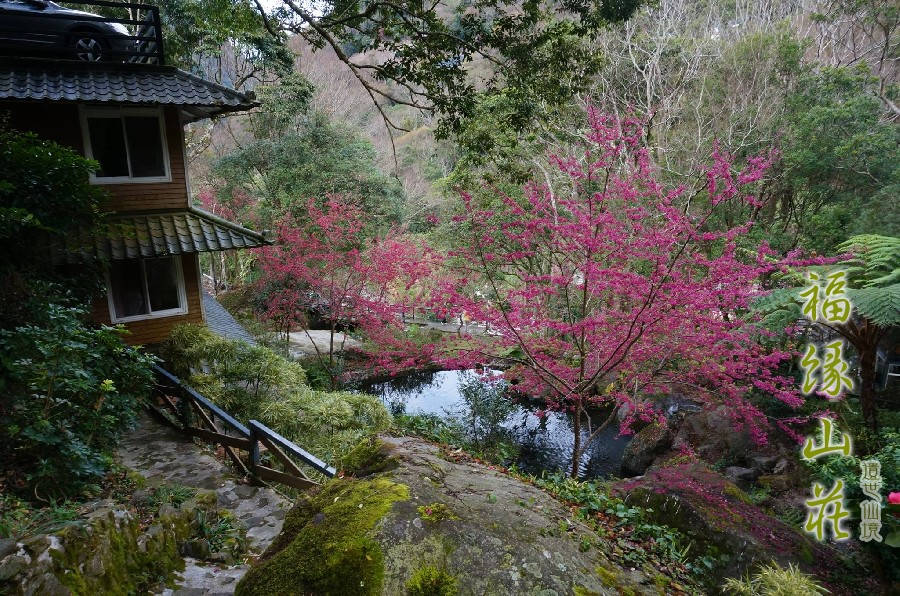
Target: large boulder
(691, 497)
(421, 524)
(648, 444)
(712, 435)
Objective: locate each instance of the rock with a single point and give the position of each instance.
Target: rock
(220, 558)
(781, 466)
(359, 535)
(196, 548)
(49, 585)
(646, 446)
(779, 483)
(737, 474)
(763, 463)
(713, 511)
(12, 565)
(166, 511)
(712, 435)
(7, 546)
(106, 553)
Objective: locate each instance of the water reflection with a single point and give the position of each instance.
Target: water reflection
(545, 442)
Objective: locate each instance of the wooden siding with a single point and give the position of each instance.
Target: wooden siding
(152, 331)
(61, 123)
(156, 195)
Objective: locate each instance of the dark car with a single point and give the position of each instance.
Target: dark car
(41, 27)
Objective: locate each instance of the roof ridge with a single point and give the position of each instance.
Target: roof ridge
(261, 236)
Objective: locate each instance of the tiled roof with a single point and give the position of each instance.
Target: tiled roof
(222, 323)
(163, 233)
(119, 83)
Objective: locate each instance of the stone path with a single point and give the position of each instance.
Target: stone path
(164, 456)
(304, 343)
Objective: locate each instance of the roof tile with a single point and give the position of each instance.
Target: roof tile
(119, 83)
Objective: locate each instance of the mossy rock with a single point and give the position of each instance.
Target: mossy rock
(326, 545)
(374, 535)
(370, 456)
(108, 552)
(648, 444)
(713, 511)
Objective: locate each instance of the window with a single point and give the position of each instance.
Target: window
(146, 288)
(130, 144)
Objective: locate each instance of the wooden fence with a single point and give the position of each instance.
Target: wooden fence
(201, 418)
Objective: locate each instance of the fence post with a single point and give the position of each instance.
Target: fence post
(184, 409)
(254, 448)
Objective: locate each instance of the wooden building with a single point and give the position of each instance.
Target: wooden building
(129, 115)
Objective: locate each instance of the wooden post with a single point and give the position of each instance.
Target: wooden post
(254, 451)
(184, 409)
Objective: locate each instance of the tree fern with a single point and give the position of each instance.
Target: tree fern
(875, 261)
(879, 305)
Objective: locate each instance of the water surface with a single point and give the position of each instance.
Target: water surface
(545, 443)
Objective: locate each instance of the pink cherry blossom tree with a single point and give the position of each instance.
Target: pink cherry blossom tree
(616, 289)
(328, 262)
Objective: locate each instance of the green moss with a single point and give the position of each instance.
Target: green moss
(326, 546)
(805, 553)
(733, 491)
(435, 512)
(369, 456)
(661, 582)
(582, 591)
(136, 479)
(608, 577)
(431, 581)
(116, 566)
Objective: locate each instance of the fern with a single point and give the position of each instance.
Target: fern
(879, 305)
(875, 261)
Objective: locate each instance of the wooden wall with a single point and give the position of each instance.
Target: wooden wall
(151, 331)
(60, 122)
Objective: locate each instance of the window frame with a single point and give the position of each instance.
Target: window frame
(86, 112)
(170, 312)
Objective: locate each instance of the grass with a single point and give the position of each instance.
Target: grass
(221, 531)
(19, 519)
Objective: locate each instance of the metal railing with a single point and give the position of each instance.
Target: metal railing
(49, 32)
(201, 418)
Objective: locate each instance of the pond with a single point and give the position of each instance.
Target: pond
(545, 443)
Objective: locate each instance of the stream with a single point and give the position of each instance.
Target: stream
(545, 443)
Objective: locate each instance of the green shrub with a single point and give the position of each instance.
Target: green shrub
(830, 469)
(69, 392)
(253, 382)
(636, 534)
(772, 580)
(449, 430)
(46, 200)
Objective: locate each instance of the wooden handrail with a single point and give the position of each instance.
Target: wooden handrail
(191, 403)
(259, 429)
(225, 416)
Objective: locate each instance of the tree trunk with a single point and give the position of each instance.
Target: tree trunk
(865, 338)
(867, 386)
(576, 449)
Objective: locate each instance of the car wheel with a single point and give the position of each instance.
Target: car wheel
(87, 47)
